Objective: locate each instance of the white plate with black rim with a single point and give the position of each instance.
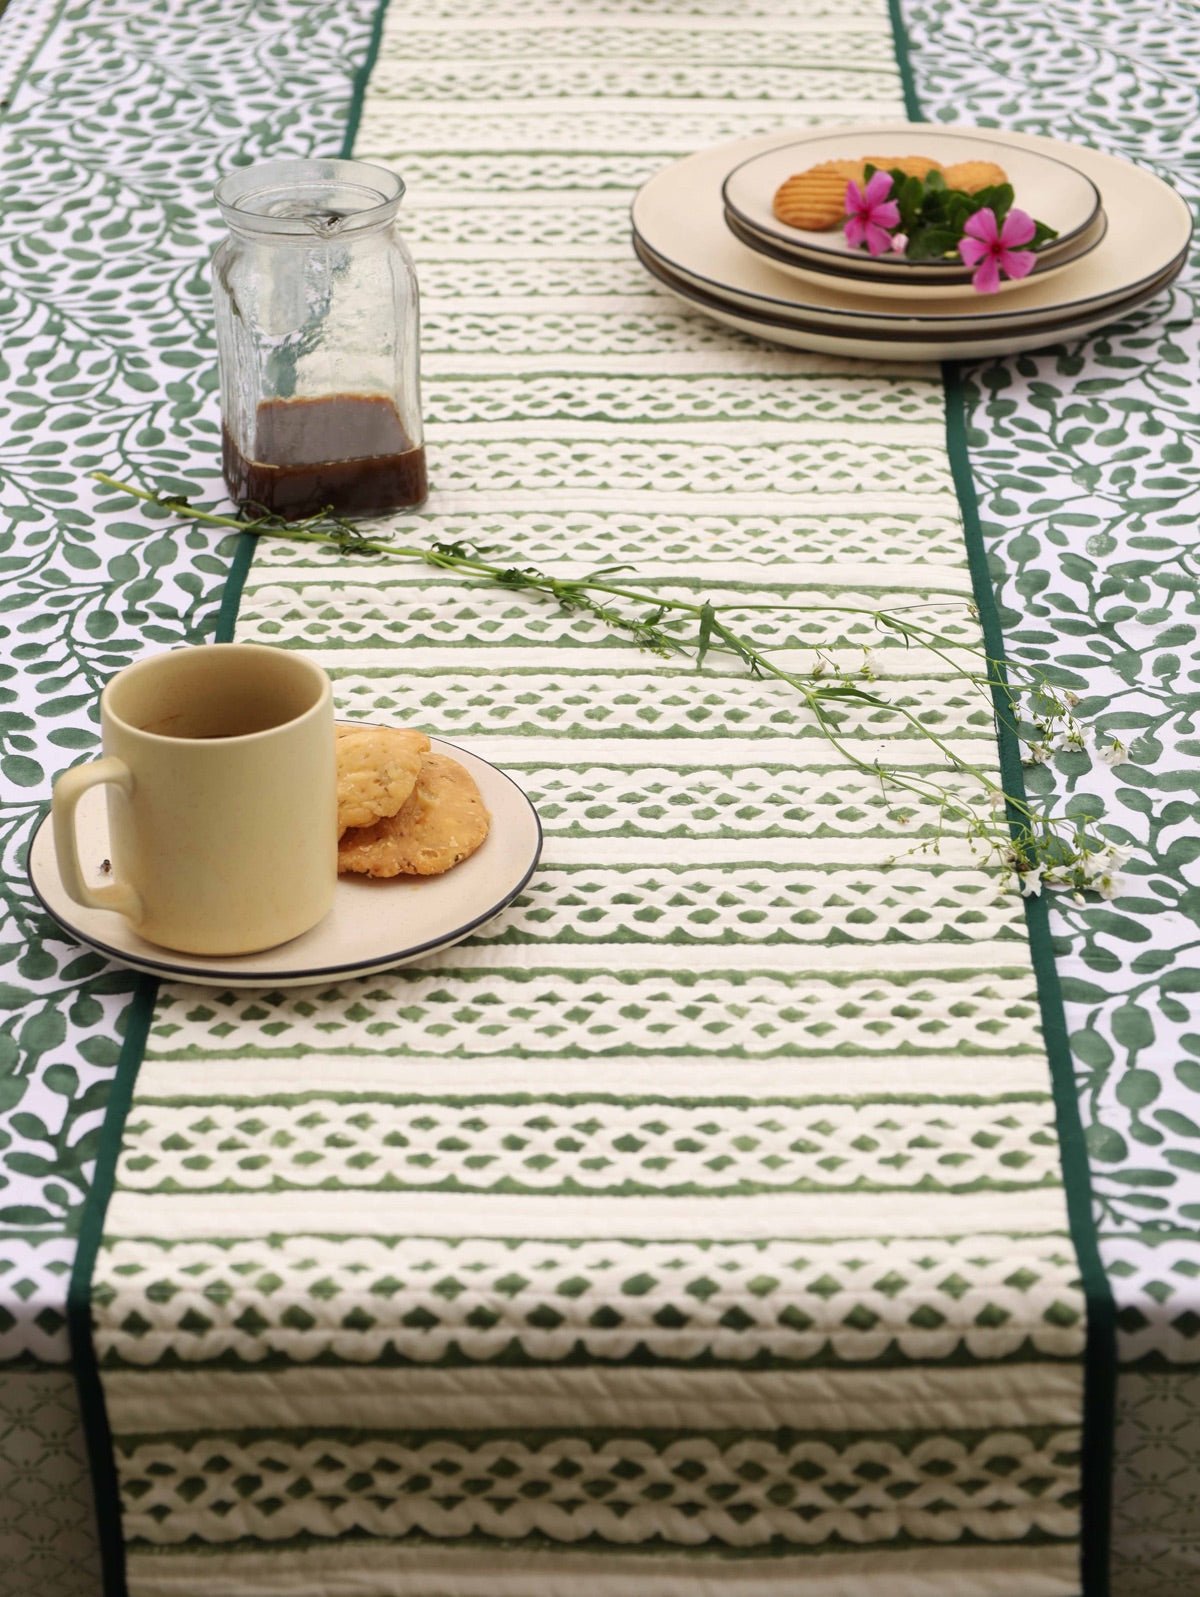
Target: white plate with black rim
(795, 333)
(679, 219)
(905, 290)
(373, 925)
(1053, 188)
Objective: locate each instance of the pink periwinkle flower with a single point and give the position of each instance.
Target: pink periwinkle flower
(992, 249)
(899, 242)
(870, 214)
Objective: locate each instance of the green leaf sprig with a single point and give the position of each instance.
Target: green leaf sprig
(933, 216)
(1039, 848)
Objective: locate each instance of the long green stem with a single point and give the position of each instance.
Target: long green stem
(1038, 842)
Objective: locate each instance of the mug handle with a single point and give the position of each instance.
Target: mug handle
(68, 790)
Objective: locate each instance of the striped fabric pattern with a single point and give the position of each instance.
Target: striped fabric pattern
(698, 1225)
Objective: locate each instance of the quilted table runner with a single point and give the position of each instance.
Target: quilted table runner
(700, 1225)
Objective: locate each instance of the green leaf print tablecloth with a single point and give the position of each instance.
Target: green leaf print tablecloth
(686, 1013)
(701, 1222)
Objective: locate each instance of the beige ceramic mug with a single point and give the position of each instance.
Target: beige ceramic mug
(222, 799)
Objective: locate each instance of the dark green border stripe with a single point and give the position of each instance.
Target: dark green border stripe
(101, 1459)
(912, 105)
(243, 554)
(1100, 1369)
(79, 1294)
(31, 56)
(1100, 1373)
(361, 79)
(235, 581)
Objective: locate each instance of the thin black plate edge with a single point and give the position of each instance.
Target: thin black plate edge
(315, 973)
(933, 128)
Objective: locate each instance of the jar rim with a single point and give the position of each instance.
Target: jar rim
(309, 199)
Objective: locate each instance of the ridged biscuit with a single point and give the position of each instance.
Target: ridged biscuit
(442, 822)
(910, 165)
(816, 199)
(377, 769)
(971, 176)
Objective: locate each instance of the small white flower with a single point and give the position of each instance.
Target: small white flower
(1072, 700)
(1113, 753)
(1105, 883)
(1037, 754)
(1114, 857)
(1031, 881)
(1075, 736)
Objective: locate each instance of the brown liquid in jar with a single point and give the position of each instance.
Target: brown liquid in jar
(347, 452)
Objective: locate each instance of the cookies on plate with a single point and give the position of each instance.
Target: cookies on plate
(816, 199)
(442, 822)
(377, 769)
(911, 165)
(971, 176)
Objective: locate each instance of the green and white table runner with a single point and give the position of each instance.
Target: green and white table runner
(1115, 80)
(701, 1220)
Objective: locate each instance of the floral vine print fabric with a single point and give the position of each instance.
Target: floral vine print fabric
(120, 119)
(1086, 461)
(115, 120)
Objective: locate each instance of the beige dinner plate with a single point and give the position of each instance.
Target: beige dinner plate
(1053, 188)
(679, 217)
(373, 925)
(795, 333)
(905, 290)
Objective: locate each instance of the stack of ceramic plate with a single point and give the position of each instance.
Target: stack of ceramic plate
(704, 227)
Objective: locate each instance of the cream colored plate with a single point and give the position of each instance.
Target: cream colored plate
(373, 925)
(1053, 188)
(908, 292)
(679, 216)
(795, 333)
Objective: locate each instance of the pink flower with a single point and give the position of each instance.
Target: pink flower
(869, 214)
(990, 248)
(899, 242)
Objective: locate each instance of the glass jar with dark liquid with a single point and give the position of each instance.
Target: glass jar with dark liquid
(318, 337)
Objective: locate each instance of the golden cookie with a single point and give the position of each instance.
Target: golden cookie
(910, 165)
(377, 769)
(442, 822)
(971, 176)
(816, 199)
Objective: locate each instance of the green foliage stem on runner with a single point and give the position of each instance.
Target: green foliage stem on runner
(1041, 849)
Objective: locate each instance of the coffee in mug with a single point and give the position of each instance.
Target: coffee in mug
(221, 778)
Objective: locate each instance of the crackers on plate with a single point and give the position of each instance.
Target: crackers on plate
(971, 176)
(815, 199)
(377, 769)
(411, 812)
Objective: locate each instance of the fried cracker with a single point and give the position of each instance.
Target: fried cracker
(443, 822)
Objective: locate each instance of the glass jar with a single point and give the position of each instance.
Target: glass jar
(318, 340)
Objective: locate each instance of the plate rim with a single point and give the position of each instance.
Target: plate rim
(841, 316)
(898, 326)
(852, 283)
(934, 129)
(296, 977)
(885, 320)
(685, 291)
